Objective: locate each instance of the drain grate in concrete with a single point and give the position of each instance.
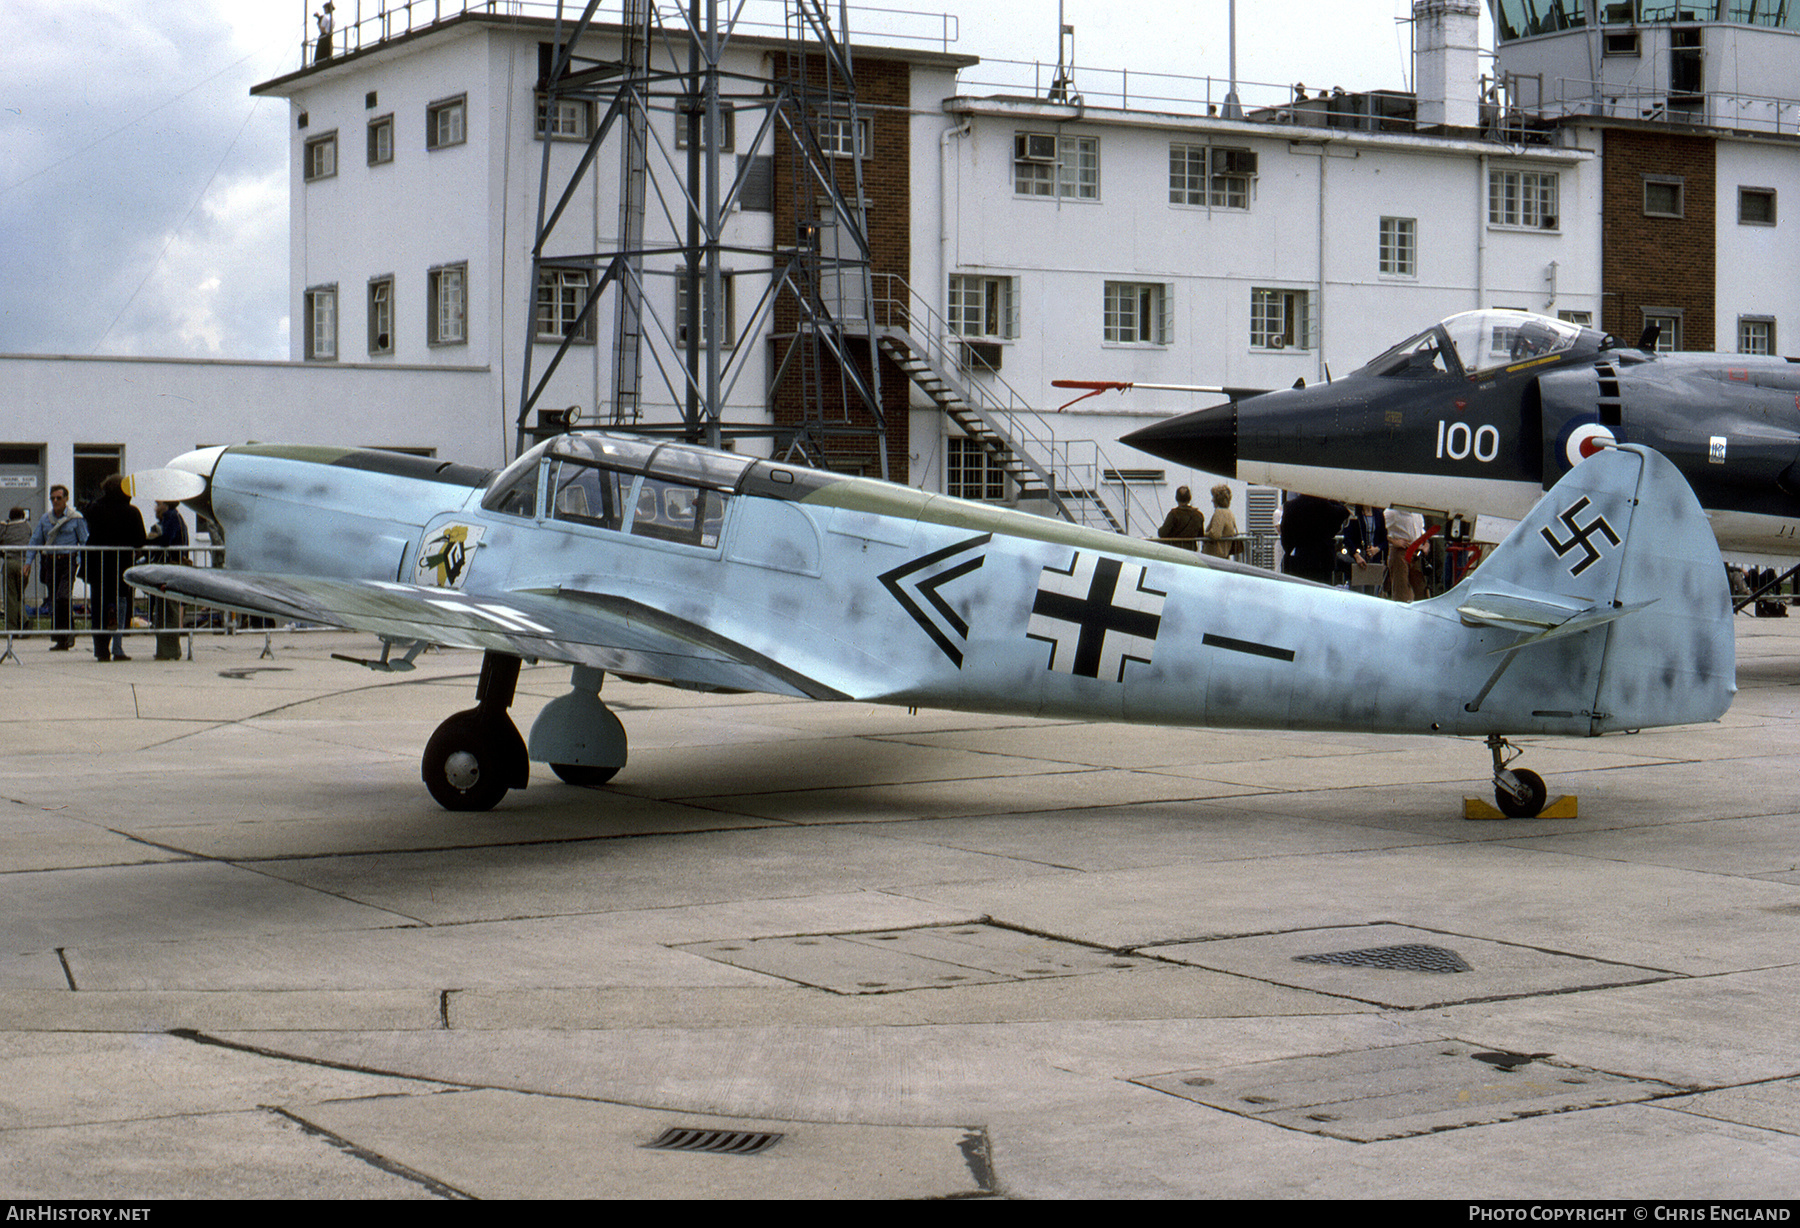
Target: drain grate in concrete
(1408, 956)
(1403, 967)
(931, 957)
(1403, 1090)
(715, 1142)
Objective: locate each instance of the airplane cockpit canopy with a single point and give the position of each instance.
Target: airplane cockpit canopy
(515, 490)
(1473, 343)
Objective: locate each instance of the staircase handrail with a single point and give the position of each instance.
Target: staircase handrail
(898, 305)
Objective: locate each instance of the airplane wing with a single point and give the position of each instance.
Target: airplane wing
(605, 632)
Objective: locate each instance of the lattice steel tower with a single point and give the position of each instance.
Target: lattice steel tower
(789, 130)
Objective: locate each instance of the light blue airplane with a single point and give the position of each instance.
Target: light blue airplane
(1606, 610)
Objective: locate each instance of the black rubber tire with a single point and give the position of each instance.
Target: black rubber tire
(464, 765)
(586, 777)
(1531, 805)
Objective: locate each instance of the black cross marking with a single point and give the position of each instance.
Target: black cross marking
(1096, 615)
(1579, 534)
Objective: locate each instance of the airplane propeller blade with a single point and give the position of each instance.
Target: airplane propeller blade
(165, 485)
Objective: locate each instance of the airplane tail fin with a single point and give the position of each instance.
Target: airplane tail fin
(1616, 588)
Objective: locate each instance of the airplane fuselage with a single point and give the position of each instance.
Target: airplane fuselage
(737, 572)
(1418, 428)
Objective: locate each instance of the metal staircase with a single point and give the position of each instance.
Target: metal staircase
(1031, 479)
(1066, 474)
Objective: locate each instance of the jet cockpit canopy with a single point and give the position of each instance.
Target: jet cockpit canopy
(1473, 343)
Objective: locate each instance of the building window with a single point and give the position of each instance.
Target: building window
(728, 311)
(1662, 196)
(1187, 174)
(1668, 326)
(561, 294)
(1581, 319)
(1399, 254)
(1756, 206)
(1756, 335)
(381, 140)
(1137, 313)
(321, 323)
(445, 122)
(1522, 199)
(1280, 320)
(1202, 175)
(447, 295)
(1232, 170)
(970, 473)
(839, 137)
(727, 127)
(381, 315)
(321, 157)
(1045, 164)
(984, 307)
(567, 119)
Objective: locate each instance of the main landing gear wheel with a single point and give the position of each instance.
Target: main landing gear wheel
(475, 756)
(586, 777)
(578, 735)
(462, 765)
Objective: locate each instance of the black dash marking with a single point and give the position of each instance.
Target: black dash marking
(1249, 646)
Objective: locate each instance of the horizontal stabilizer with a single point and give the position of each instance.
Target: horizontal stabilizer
(1517, 611)
(1586, 620)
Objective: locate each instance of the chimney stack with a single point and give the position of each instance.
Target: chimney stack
(1447, 66)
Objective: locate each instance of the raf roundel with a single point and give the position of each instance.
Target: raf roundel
(1583, 439)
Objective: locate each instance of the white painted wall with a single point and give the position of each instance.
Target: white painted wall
(1752, 259)
(158, 408)
(1313, 224)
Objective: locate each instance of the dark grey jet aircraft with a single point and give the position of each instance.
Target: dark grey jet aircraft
(1482, 412)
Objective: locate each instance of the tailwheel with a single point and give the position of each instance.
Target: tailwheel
(587, 777)
(1528, 803)
(1520, 793)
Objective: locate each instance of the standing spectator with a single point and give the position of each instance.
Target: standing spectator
(1222, 530)
(1365, 541)
(1184, 525)
(1406, 571)
(14, 533)
(323, 51)
(170, 537)
(1309, 527)
(64, 529)
(112, 522)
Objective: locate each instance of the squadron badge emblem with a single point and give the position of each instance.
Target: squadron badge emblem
(444, 556)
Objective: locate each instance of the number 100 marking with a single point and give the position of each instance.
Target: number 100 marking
(1456, 441)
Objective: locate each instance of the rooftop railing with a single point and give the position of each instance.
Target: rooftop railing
(359, 24)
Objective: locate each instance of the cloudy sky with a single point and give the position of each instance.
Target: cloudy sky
(143, 192)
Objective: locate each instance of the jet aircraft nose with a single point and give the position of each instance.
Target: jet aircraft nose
(1206, 439)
